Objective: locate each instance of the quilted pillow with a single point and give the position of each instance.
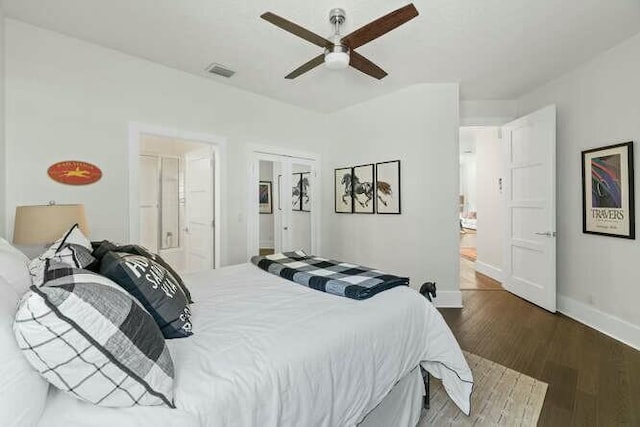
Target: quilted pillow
(101, 248)
(154, 287)
(14, 267)
(92, 340)
(67, 249)
(23, 392)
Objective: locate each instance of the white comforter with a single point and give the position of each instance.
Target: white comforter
(268, 352)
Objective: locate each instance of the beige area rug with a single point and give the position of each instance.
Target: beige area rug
(501, 396)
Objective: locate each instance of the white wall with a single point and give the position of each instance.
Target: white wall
(69, 99)
(487, 112)
(598, 104)
(489, 201)
(266, 220)
(468, 181)
(3, 162)
(419, 126)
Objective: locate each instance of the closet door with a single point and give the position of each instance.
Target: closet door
(300, 207)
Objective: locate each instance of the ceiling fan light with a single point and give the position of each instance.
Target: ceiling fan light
(336, 58)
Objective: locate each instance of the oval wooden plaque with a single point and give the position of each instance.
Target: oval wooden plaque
(74, 172)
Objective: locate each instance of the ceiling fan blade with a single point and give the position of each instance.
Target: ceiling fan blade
(361, 63)
(380, 26)
(306, 67)
(296, 29)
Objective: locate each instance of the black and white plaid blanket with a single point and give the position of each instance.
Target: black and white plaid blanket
(335, 277)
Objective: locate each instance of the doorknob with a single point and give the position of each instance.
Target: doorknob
(547, 233)
(286, 228)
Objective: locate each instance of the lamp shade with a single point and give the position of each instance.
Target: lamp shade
(46, 223)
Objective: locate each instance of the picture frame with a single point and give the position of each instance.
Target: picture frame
(388, 188)
(305, 195)
(265, 197)
(343, 195)
(363, 189)
(296, 191)
(608, 191)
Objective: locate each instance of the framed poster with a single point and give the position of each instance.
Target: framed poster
(363, 190)
(265, 201)
(342, 190)
(607, 191)
(305, 197)
(388, 187)
(296, 192)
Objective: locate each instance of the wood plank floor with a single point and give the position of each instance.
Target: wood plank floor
(593, 379)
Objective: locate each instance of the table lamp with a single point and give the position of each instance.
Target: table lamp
(38, 226)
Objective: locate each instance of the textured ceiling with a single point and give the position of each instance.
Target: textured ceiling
(496, 49)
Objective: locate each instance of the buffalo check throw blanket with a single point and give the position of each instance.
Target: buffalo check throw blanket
(334, 277)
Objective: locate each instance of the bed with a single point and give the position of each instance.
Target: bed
(268, 352)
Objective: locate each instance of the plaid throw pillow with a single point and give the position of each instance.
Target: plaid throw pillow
(73, 248)
(91, 339)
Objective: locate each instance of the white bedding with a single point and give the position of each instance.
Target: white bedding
(269, 352)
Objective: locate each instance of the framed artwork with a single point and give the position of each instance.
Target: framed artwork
(363, 189)
(296, 194)
(607, 191)
(388, 187)
(343, 191)
(305, 197)
(265, 200)
(300, 200)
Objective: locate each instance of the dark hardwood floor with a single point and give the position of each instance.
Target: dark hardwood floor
(593, 379)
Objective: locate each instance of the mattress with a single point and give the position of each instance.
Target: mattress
(269, 352)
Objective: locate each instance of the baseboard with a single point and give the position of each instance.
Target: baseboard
(615, 327)
(489, 270)
(267, 244)
(448, 299)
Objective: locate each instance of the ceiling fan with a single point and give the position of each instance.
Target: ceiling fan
(339, 51)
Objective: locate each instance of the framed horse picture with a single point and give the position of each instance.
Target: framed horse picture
(296, 193)
(305, 198)
(301, 200)
(388, 187)
(342, 189)
(362, 188)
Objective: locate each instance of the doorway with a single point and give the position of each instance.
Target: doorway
(176, 201)
(174, 195)
(480, 208)
(286, 203)
(515, 198)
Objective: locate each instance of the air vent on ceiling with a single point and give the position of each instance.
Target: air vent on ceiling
(220, 70)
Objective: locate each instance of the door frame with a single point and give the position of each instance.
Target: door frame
(257, 152)
(218, 144)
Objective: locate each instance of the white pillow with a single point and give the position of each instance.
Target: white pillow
(14, 267)
(73, 236)
(23, 391)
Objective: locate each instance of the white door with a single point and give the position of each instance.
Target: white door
(149, 199)
(199, 209)
(530, 197)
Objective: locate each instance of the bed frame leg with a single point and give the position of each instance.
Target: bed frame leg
(426, 377)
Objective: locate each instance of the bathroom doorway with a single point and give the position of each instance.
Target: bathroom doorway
(176, 201)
